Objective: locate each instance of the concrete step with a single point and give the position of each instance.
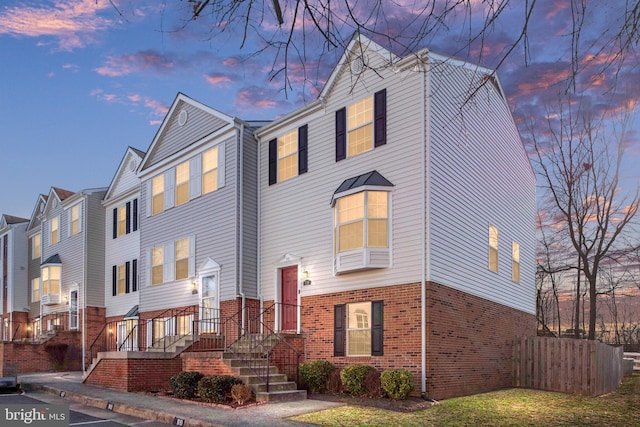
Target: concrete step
(251, 380)
(274, 386)
(281, 396)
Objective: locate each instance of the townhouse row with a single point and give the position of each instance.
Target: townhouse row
(389, 222)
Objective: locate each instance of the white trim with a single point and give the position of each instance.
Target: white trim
(288, 260)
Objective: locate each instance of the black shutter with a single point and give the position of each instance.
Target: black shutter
(114, 281)
(127, 282)
(128, 217)
(339, 329)
(302, 149)
(380, 118)
(115, 223)
(377, 328)
(273, 161)
(341, 134)
(134, 276)
(134, 220)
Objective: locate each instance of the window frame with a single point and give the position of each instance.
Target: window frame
(181, 260)
(515, 262)
(288, 140)
(74, 220)
(36, 246)
(35, 290)
(46, 285)
(54, 232)
(213, 171)
(341, 329)
(157, 195)
(182, 183)
(155, 266)
(493, 248)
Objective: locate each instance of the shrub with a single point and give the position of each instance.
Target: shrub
(184, 385)
(334, 384)
(241, 393)
(57, 353)
(397, 383)
(372, 383)
(217, 388)
(352, 377)
(315, 375)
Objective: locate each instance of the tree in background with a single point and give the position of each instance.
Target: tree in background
(578, 158)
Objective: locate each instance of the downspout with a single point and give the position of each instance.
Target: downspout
(84, 283)
(240, 205)
(258, 238)
(425, 245)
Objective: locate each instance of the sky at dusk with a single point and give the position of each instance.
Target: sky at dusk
(81, 80)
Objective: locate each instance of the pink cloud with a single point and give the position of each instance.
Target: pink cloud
(72, 22)
(123, 65)
(217, 78)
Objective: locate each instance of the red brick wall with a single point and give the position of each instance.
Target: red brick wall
(469, 339)
(28, 357)
(135, 374)
(209, 363)
(94, 324)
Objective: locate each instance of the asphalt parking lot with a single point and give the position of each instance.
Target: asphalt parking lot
(79, 415)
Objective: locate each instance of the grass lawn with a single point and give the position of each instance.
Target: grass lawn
(512, 407)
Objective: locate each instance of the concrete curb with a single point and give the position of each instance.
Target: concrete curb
(119, 407)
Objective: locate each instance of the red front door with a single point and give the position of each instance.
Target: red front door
(289, 312)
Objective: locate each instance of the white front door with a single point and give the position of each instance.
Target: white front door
(209, 313)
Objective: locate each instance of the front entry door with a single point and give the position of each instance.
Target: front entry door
(209, 305)
(289, 311)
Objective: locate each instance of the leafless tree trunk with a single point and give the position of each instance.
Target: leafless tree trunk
(578, 160)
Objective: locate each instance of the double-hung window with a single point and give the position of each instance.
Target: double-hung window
(182, 183)
(157, 265)
(125, 278)
(157, 194)
(362, 223)
(210, 170)
(361, 126)
(54, 236)
(359, 329)
(515, 262)
(288, 155)
(35, 290)
(50, 279)
(125, 218)
(493, 248)
(74, 220)
(182, 258)
(121, 221)
(35, 246)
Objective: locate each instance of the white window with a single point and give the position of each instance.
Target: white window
(35, 247)
(157, 194)
(50, 276)
(493, 248)
(360, 127)
(182, 183)
(362, 221)
(515, 262)
(122, 220)
(359, 329)
(35, 290)
(54, 225)
(182, 258)
(157, 265)
(210, 163)
(74, 220)
(288, 155)
(122, 279)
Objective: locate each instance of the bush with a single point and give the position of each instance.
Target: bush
(334, 385)
(372, 384)
(315, 375)
(353, 376)
(184, 385)
(241, 393)
(397, 383)
(217, 388)
(57, 353)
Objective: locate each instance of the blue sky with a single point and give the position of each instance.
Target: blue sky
(81, 80)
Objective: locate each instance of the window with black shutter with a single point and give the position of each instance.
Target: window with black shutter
(339, 329)
(127, 283)
(114, 280)
(134, 275)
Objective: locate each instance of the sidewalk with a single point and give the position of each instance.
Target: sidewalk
(69, 386)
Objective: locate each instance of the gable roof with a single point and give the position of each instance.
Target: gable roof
(10, 219)
(126, 159)
(41, 202)
(172, 116)
(58, 194)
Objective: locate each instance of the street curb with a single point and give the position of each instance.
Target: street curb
(120, 408)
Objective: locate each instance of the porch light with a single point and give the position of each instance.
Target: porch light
(194, 287)
(305, 277)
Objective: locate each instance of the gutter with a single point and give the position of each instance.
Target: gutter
(240, 219)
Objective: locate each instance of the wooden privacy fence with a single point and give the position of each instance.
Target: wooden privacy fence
(567, 365)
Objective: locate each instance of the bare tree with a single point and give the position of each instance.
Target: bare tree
(579, 160)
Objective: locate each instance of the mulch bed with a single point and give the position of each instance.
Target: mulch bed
(410, 404)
